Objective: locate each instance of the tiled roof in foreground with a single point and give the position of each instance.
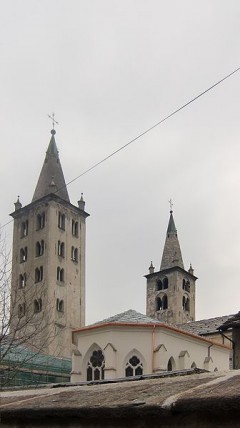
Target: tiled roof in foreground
(130, 316)
(203, 327)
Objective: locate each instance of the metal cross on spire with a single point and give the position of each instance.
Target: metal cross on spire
(171, 204)
(53, 119)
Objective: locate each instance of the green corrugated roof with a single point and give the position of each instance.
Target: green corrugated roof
(22, 356)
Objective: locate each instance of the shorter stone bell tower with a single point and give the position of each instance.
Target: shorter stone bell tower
(171, 290)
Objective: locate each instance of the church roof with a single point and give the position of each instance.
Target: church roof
(232, 321)
(130, 316)
(204, 327)
(51, 179)
(172, 255)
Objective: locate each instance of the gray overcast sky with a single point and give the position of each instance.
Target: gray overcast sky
(110, 69)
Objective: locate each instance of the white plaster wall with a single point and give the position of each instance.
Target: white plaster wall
(141, 341)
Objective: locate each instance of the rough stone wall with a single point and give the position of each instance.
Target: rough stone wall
(174, 314)
(53, 327)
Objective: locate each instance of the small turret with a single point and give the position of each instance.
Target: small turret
(17, 204)
(151, 268)
(81, 203)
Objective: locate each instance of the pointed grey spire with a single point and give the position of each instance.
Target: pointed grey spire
(172, 255)
(51, 168)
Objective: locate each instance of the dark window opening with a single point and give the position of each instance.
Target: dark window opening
(23, 255)
(41, 220)
(74, 254)
(39, 274)
(37, 305)
(186, 304)
(60, 274)
(61, 249)
(165, 283)
(39, 248)
(22, 280)
(60, 305)
(61, 221)
(95, 367)
(169, 365)
(24, 228)
(134, 367)
(159, 285)
(165, 302)
(75, 228)
(186, 285)
(158, 304)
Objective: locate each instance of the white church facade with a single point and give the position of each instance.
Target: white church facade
(131, 344)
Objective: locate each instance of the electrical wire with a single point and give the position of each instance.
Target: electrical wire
(143, 133)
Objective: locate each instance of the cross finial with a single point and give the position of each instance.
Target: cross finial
(171, 205)
(53, 119)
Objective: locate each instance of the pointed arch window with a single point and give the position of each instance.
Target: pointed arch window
(171, 365)
(95, 366)
(134, 367)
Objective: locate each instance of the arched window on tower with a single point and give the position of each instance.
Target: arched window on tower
(60, 274)
(95, 366)
(75, 228)
(60, 305)
(159, 285)
(37, 305)
(40, 221)
(61, 221)
(39, 248)
(23, 255)
(186, 285)
(61, 249)
(134, 367)
(186, 303)
(164, 302)
(22, 280)
(39, 274)
(74, 254)
(24, 228)
(165, 283)
(158, 304)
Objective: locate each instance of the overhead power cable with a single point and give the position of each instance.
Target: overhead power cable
(152, 127)
(145, 132)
